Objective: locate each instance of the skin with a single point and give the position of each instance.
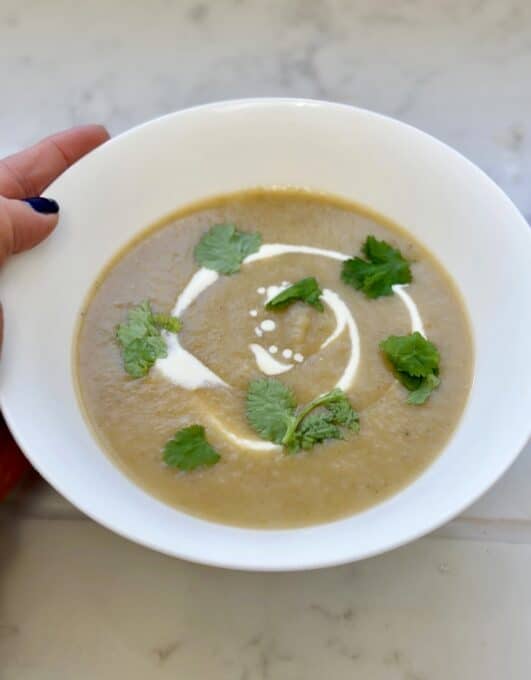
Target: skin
(27, 174)
(23, 175)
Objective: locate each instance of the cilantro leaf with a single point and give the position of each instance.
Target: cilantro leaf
(306, 290)
(140, 355)
(139, 324)
(426, 387)
(410, 382)
(383, 267)
(270, 408)
(140, 338)
(411, 354)
(168, 323)
(416, 364)
(271, 411)
(315, 428)
(189, 449)
(339, 412)
(223, 248)
(343, 413)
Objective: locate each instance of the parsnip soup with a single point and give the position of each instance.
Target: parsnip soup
(274, 358)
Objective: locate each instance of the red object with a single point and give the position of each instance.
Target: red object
(13, 465)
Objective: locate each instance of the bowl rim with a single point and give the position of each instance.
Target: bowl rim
(17, 427)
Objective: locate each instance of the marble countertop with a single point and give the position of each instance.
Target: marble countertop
(77, 601)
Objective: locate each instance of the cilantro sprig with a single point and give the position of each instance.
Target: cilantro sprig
(167, 323)
(189, 449)
(416, 364)
(223, 248)
(423, 391)
(272, 412)
(306, 290)
(376, 275)
(140, 338)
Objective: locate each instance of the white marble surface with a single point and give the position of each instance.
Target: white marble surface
(77, 601)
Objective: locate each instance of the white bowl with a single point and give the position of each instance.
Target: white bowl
(440, 197)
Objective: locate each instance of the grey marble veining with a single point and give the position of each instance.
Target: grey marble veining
(79, 602)
(459, 70)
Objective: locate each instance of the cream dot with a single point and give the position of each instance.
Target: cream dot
(259, 332)
(298, 357)
(268, 325)
(253, 312)
(287, 353)
(261, 290)
(273, 349)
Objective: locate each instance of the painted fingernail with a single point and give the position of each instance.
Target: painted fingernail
(47, 206)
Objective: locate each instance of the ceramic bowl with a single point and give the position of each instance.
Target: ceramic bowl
(447, 203)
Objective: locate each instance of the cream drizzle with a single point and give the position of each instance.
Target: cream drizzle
(180, 366)
(253, 444)
(344, 319)
(273, 291)
(266, 363)
(275, 249)
(268, 325)
(416, 321)
(185, 370)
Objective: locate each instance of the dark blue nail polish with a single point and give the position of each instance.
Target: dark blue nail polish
(43, 205)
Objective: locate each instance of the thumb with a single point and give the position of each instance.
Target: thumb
(24, 224)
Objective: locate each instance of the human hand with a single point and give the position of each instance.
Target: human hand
(25, 220)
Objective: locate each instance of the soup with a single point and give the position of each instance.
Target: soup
(321, 361)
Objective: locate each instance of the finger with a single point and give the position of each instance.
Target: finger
(23, 226)
(29, 172)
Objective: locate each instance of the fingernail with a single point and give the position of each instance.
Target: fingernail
(47, 206)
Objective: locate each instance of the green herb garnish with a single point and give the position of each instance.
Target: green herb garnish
(270, 408)
(140, 338)
(423, 391)
(223, 248)
(416, 364)
(189, 449)
(306, 290)
(167, 323)
(411, 354)
(272, 412)
(383, 267)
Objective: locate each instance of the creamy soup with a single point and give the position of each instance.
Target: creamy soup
(228, 340)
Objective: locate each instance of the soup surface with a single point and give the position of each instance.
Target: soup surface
(228, 339)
